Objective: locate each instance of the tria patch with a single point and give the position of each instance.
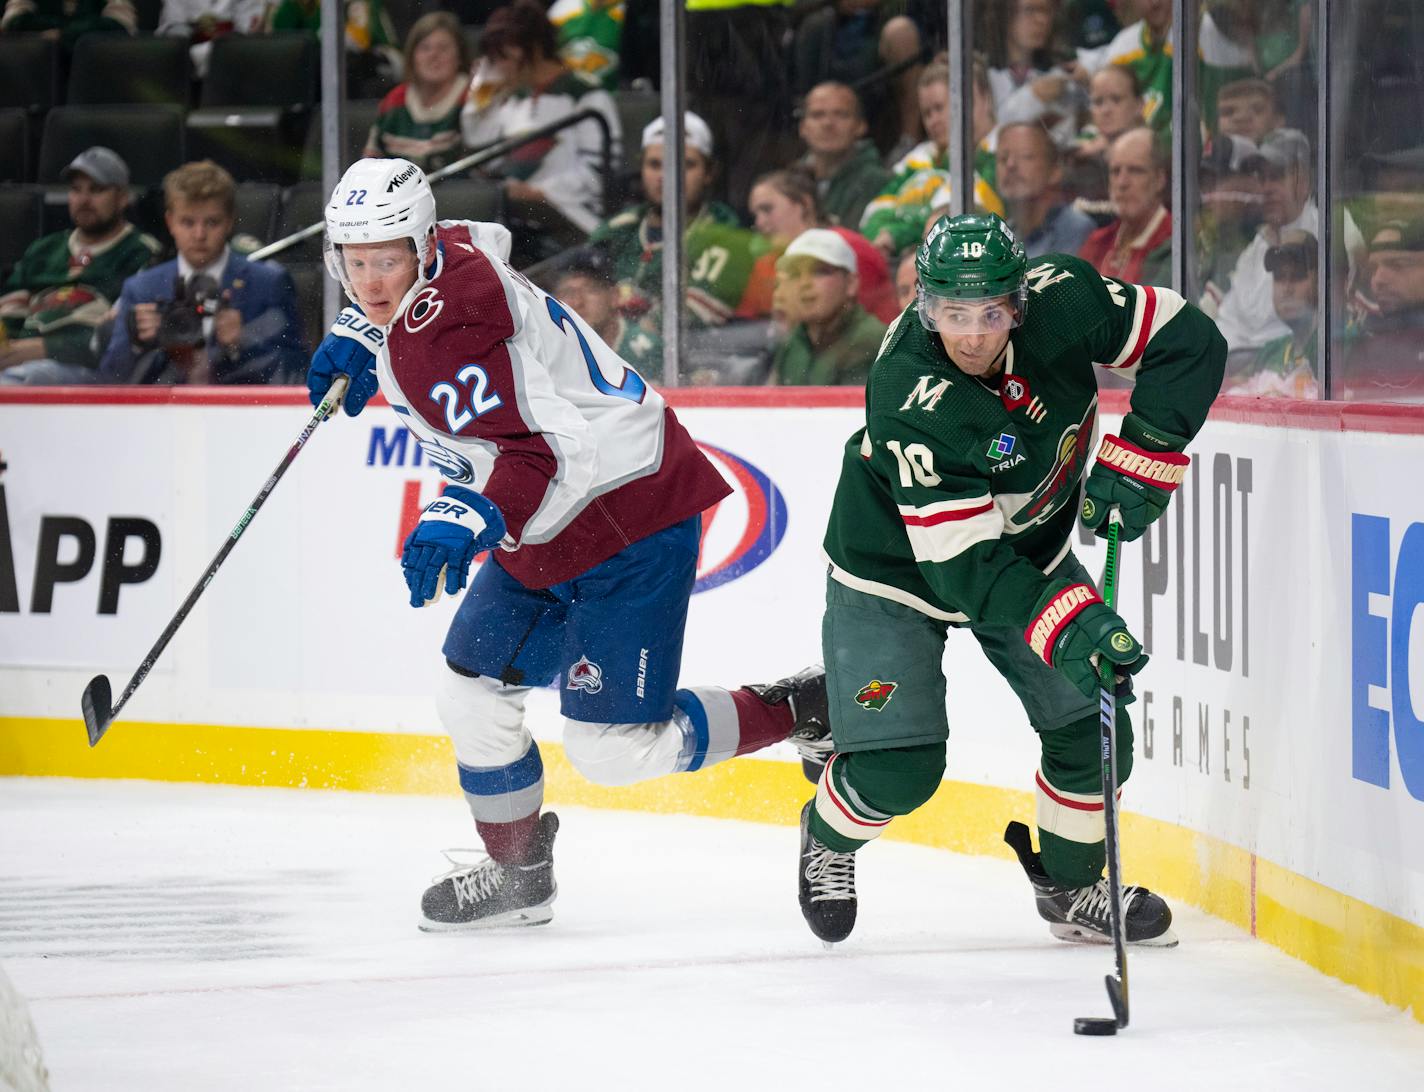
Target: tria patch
(874, 694)
(1001, 446)
(584, 675)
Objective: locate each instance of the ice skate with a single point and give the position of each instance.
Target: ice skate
(489, 895)
(1082, 914)
(826, 882)
(805, 692)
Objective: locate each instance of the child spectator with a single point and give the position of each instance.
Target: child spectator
(833, 340)
(420, 119)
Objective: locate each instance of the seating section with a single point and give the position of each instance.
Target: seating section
(149, 138)
(14, 144)
(19, 224)
(115, 69)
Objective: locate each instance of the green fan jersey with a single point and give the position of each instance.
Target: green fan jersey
(61, 290)
(720, 257)
(958, 495)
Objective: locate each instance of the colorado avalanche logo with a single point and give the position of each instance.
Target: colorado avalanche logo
(741, 531)
(423, 309)
(584, 675)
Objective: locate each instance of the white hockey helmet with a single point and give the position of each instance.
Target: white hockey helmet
(378, 200)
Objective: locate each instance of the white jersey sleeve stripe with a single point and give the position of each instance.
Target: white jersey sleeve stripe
(1153, 308)
(948, 534)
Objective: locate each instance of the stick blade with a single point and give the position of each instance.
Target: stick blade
(98, 706)
(1118, 998)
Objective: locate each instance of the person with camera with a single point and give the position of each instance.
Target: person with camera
(210, 315)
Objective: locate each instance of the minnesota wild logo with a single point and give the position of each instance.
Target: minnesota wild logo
(874, 694)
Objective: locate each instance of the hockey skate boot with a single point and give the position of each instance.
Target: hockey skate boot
(487, 895)
(826, 883)
(805, 692)
(1083, 914)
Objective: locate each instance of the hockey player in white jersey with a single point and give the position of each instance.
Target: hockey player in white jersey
(579, 479)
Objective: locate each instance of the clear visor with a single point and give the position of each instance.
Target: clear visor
(994, 315)
(354, 264)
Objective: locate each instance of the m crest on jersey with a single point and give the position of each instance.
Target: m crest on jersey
(1045, 276)
(924, 396)
(423, 310)
(584, 675)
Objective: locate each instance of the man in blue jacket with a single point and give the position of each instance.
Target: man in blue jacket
(209, 316)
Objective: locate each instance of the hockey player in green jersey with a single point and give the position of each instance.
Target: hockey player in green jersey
(954, 509)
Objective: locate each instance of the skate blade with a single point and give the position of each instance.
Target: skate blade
(511, 919)
(1075, 934)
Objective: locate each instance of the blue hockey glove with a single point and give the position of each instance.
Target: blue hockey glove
(1136, 473)
(1071, 628)
(452, 530)
(350, 349)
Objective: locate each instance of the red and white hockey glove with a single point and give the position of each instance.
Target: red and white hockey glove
(1072, 626)
(1137, 473)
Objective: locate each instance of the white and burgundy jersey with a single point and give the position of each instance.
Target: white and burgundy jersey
(513, 395)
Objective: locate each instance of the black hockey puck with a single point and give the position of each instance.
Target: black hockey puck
(1094, 1025)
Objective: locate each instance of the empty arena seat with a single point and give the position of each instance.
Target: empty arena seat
(29, 72)
(257, 206)
(262, 70)
(14, 144)
(469, 199)
(20, 208)
(111, 68)
(302, 204)
(150, 139)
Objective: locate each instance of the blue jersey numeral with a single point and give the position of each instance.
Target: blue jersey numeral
(631, 386)
(356, 197)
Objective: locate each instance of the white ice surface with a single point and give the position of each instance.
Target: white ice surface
(196, 938)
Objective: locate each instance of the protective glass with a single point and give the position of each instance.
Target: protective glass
(945, 315)
(369, 261)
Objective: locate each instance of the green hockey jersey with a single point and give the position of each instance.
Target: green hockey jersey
(61, 290)
(720, 257)
(958, 495)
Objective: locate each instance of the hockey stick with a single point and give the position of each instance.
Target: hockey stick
(98, 712)
(1107, 725)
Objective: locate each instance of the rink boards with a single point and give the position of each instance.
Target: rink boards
(1280, 757)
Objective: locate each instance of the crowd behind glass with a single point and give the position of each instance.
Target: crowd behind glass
(816, 158)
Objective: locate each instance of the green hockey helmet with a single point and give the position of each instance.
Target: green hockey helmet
(965, 263)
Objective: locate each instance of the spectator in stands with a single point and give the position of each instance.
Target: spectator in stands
(1019, 38)
(554, 185)
(1114, 107)
(848, 40)
(66, 20)
(1286, 367)
(420, 119)
(844, 163)
(720, 252)
(202, 21)
(63, 286)
(1230, 211)
(1241, 39)
(210, 315)
(1388, 361)
(896, 218)
(590, 33)
(585, 282)
(834, 340)
(1248, 108)
(1029, 181)
(373, 60)
(1137, 246)
(1145, 47)
(906, 277)
(1246, 318)
(783, 205)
